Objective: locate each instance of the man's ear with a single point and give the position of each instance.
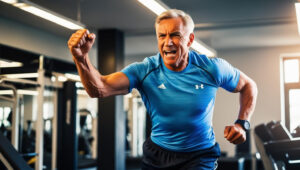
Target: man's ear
(191, 39)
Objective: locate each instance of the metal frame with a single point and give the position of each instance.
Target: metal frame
(21, 119)
(39, 137)
(136, 113)
(45, 67)
(5, 162)
(15, 113)
(16, 116)
(54, 133)
(41, 83)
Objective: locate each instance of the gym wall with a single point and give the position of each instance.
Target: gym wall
(262, 65)
(28, 38)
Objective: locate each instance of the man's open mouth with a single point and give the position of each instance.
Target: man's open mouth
(170, 52)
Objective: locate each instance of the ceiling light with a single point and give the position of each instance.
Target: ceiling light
(22, 75)
(201, 48)
(79, 85)
(24, 92)
(72, 76)
(6, 64)
(45, 13)
(53, 78)
(297, 6)
(9, 1)
(158, 7)
(62, 78)
(154, 6)
(81, 92)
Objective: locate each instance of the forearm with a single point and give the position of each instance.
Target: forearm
(248, 96)
(90, 77)
(248, 93)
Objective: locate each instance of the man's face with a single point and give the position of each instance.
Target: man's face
(174, 41)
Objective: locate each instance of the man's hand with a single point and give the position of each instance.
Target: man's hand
(235, 134)
(80, 43)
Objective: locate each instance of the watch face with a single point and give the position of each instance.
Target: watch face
(247, 125)
(244, 123)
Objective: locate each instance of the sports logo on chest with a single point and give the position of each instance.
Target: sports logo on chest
(199, 86)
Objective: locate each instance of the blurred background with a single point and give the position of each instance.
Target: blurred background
(259, 37)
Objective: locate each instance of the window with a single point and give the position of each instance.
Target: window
(291, 86)
(4, 114)
(291, 71)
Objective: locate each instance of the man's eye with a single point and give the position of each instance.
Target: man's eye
(176, 35)
(161, 36)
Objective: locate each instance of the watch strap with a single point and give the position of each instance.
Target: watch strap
(244, 123)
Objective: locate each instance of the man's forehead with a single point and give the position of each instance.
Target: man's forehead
(176, 20)
(172, 24)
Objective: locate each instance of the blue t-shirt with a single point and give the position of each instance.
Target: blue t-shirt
(181, 104)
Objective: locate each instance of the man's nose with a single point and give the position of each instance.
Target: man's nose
(169, 41)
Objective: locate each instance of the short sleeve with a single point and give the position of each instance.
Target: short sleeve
(227, 76)
(134, 72)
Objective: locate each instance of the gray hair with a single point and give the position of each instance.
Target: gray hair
(174, 13)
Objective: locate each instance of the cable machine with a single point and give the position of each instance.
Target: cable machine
(39, 74)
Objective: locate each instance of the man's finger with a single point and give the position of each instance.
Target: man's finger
(78, 36)
(240, 140)
(91, 36)
(236, 137)
(83, 40)
(226, 130)
(231, 134)
(72, 43)
(82, 31)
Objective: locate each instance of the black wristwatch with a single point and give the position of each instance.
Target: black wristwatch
(244, 123)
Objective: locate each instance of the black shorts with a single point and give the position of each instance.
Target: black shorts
(156, 157)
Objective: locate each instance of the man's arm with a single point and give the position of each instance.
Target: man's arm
(248, 94)
(96, 85)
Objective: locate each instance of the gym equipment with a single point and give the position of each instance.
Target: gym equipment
(42, 73)
(278, 149)
(10, 157)
(84, 138)
(14, 99)
(67, 147)
(296, 132)
(136, 124)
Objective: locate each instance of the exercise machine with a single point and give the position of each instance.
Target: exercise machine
(277, 148)
(39, 74)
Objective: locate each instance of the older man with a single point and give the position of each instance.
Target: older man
(178, 87)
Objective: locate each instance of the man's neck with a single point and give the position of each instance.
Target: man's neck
(180, 66)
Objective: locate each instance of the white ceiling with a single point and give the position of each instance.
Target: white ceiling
(220, 24)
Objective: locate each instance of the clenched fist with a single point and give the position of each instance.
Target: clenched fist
(235, 134)
(80, 43)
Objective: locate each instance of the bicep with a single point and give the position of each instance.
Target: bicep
(244, 81)
(115, 83)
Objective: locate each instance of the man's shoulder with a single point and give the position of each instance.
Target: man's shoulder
(143, 67)
(152, 61)
(200, 60)
(155, 59)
